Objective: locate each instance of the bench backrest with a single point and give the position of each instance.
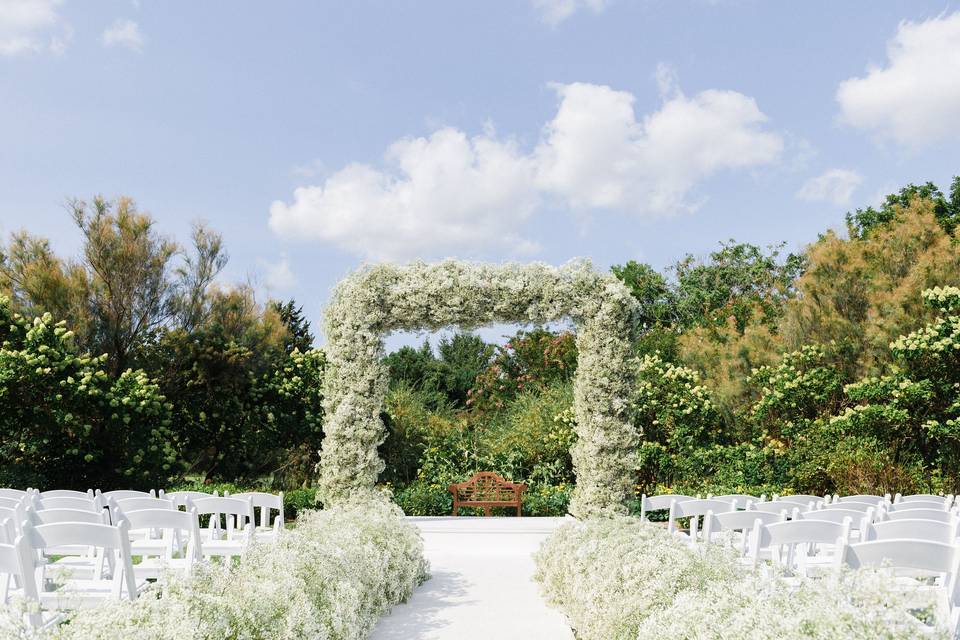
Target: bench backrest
(487, 486)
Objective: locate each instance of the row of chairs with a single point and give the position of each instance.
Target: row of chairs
(67, 549)
(915, 538)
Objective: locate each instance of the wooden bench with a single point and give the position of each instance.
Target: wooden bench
(487, 489)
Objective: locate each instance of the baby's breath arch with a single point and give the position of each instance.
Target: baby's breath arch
(377, 300)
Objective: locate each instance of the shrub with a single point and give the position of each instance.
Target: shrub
(332, 577)
(622, 579)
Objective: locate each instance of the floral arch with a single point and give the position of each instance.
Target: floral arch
(377, 300)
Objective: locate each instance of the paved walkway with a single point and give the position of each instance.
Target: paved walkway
(480, 587)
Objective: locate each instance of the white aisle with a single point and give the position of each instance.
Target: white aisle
(481, 585)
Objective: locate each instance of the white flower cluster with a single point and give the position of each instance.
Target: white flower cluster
(377, 300)
(623, 579)
(332, 577)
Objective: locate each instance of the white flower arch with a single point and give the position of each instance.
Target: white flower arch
(377, 300)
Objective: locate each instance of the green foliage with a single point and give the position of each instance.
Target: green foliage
(298, 336)
(66, 423)
(946, 210)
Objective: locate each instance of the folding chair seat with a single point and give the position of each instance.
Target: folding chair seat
(178, 547)
(268, 527)
(659, 502)
(233, 536)
(71, 593)
(798, 546)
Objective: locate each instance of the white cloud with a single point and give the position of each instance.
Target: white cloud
(595, 152)
(449, 193)
(279, 275)
(915, 99)
(835, 185)
(446, 192)
(31, 26)
(553, 12)
(123, 33)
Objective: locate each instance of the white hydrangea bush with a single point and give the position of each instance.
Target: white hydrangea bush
(378, 300)
(622, 579)
(330, 578)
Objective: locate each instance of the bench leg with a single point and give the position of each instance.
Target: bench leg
(456, 508)
(519, 515)
(486, 511)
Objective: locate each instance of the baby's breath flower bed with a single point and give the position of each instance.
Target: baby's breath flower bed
(330, 578)
(621, 579)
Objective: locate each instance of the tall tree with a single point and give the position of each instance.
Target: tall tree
(298, 327)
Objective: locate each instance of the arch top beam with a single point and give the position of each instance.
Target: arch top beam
(377, 300)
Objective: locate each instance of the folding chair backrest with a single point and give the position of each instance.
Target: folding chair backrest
(912, 529)
(922, 555)
(81, 504)
(871, 499)
(50, 516)
(102, 536)
(10, 521)
(742, 521)
(265, 502)
(936, 505)
(852, 505)
(738, 500)
(776, 507)
(67, 493)
(16, 494)
(138, 504)
(11, 503)
(802, 499)
(856, 518)
(922, 514)
(658, 502)
(923, 497)
(180, 498)
(121, 494)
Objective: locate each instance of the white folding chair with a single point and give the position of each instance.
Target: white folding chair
(658, 502)
(67, 493)
(798, 545)
(177, 547)
(694, 509)
(71, 593)
(16, 568)
(234, 537)
(741, 523)
(268, 527)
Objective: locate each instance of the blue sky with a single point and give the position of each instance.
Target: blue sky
(316, 136)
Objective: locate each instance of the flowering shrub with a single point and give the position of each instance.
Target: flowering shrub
(65, 422)
(379, 299)
(332, 577)
(622, 579)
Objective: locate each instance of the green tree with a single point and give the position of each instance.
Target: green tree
(298, 327)
(945, 210)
